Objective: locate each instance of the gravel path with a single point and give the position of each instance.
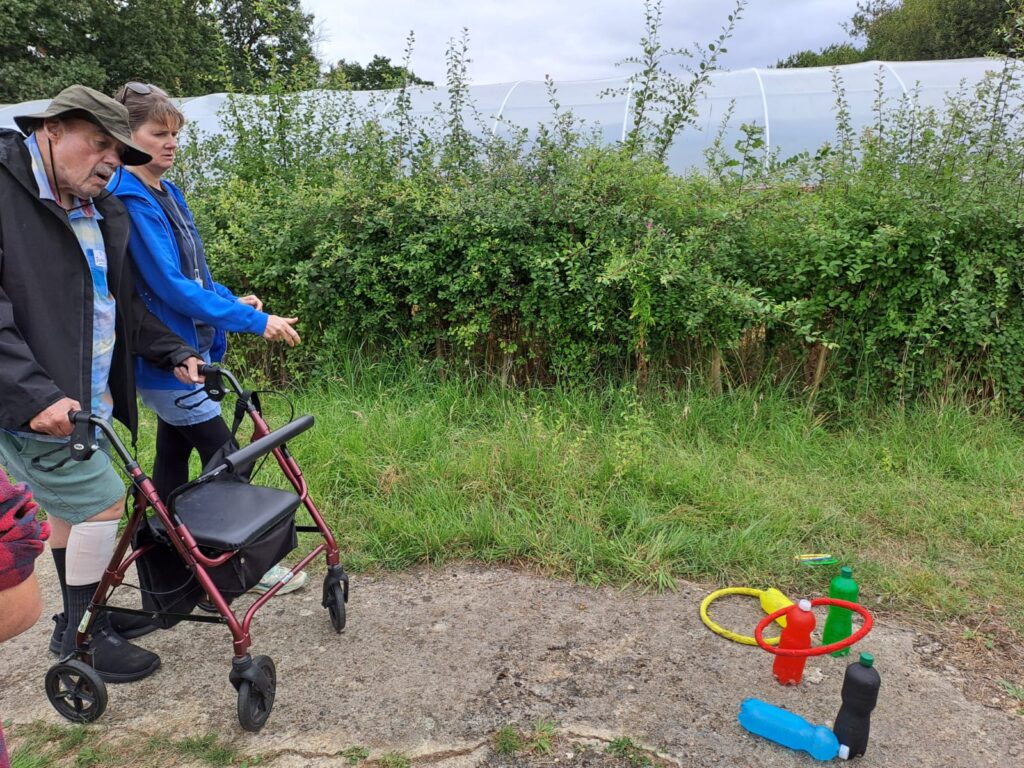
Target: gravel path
(435, 661)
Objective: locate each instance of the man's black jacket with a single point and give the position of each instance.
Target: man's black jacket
(46, 302)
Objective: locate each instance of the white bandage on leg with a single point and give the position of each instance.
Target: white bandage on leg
(90, 546)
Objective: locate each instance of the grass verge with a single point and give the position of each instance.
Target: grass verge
(607, 486)
(611, 487)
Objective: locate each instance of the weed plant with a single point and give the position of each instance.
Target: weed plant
(394, 760)
(43, 745)
(623, 747)
(508, 741)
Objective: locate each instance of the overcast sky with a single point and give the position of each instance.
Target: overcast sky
(568, 39)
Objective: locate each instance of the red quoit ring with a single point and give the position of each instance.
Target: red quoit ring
(821, 650)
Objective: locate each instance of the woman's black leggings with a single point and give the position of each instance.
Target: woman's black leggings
(174, 445)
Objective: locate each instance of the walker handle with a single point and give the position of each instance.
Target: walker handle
(243, 457)
(214, 385)
(83, 443)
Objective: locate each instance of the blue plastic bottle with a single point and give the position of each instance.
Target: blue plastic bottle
(788, 729)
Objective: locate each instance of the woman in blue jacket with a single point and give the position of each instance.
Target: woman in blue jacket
(175, 283)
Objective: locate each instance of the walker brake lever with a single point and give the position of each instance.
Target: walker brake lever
(213, 389)
(83, 437)
(214, 385)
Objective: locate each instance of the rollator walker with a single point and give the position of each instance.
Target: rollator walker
(212, 539)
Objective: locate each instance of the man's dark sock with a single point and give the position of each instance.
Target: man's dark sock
(77, 604)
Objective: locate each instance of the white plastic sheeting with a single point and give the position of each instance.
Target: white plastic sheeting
(795, 107)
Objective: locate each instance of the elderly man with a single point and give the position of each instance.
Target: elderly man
(70, 322)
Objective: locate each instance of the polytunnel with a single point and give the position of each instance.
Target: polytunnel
(796, 108)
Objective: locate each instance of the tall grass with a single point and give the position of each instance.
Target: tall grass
(608, 486)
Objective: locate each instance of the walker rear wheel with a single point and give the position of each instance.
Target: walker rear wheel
(254, 705)
(76, 691)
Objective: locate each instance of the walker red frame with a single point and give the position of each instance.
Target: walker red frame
(88, 699)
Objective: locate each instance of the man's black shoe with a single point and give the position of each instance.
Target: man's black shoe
(126, 625)
(118, 661)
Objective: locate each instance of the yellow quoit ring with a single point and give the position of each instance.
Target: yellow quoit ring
(771, 600)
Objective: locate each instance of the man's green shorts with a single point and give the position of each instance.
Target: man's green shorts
(75, 492)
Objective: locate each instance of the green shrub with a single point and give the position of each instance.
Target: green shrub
(888, 263)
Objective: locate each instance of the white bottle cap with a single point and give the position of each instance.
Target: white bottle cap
(805, 604)
(844, 752)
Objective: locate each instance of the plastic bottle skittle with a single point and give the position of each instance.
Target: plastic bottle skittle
(860, 694)
(839, 622)
(797, 635)
(789, 729)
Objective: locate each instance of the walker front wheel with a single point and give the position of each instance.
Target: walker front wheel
(336, 606)
(76, 691)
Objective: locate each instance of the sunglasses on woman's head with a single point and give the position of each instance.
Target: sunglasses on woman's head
(142, 89)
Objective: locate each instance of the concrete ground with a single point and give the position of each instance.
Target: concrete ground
(434, 662)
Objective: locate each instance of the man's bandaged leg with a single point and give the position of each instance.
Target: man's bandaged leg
(90, 547)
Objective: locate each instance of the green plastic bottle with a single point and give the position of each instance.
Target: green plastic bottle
(839, 622)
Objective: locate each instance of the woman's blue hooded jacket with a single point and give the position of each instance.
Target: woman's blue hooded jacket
(170, 294)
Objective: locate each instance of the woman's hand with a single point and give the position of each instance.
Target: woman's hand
(280, 329)
(253, 301)
(187, 371)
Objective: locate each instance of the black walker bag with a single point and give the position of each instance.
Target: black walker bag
(223, 513)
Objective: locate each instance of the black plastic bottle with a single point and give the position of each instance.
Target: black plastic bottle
(860, 694)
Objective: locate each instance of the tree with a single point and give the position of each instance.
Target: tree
(930, 29)
(188, 47)
(47, 45)
(830, 56)
(909, 30)
(379, 75)
(267, 41)
(175, 44)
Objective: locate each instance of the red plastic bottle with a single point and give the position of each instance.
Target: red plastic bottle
(799, 624)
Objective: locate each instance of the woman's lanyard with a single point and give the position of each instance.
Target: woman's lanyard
(180, 221)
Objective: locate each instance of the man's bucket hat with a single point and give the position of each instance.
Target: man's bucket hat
(93, 106)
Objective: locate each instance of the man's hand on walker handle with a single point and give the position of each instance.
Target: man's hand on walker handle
(54, 420)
